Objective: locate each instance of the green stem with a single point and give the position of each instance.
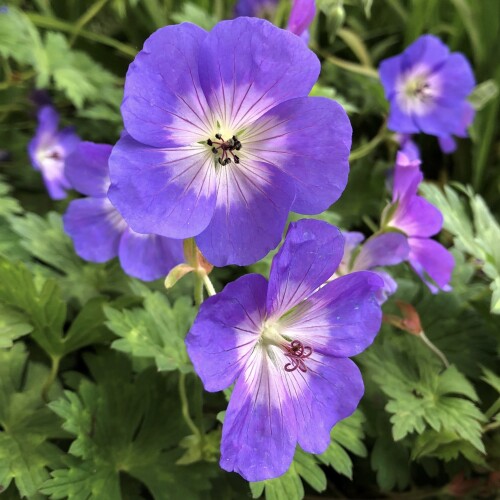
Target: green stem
(434, 349)
(373, 227)
(369, 146)
(209, 286)
(347, 65)
(493, 410)
(54, 369)
(491, 426)
(198, 289)
(57, 24)
(185, 407)
(86, 18)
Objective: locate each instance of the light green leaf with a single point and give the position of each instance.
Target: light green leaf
(193, 14)
(155, 331)
(8, 205)
(77, 75)
(483, 94)
(19, 39)
(423, 398)
(289, 485)
(346, 435)
(12, 326)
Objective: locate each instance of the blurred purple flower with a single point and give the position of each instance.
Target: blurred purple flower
(264, 9)
(98, 231)
(224, 141)
(427, 88)
(48, 151)
(408, 146)
(301, 14)
(419, 220)
(286, 343)
(386, 249)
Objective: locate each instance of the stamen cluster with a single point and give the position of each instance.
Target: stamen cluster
(225, 148)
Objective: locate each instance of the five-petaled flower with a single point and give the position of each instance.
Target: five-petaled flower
(427, 88)
(48, 151)
(99, 232)
(223, 141)
(286, 343)
(419, 220)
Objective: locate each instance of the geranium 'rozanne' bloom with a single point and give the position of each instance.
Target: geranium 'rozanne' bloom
(224, 141)
(49, 149)
(286, 343)
(427, 88)
(386, 249)
(419, 220)
(99, 232)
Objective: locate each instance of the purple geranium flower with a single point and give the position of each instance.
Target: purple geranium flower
(427, 88)
(286, 343)
(419, 220)
(98, 230)
(49, 149)
(224, 141)
(386, 249)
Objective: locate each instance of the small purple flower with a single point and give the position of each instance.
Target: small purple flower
(99, 232)
(48, 151)
(286, 343)
(419, 220)
(301, 14)
(301, 17)
(224, 141)
(386, 249)
(427, 88)
(408, 146)
(264, 9)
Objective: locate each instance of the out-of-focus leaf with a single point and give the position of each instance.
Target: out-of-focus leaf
(483, 94)
(12, 326)
(19, 39)
(191, 13)
(77, 75)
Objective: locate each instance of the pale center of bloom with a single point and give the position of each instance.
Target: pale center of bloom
(225, 148)
(51, 160)
(294, 350)
(417, 91)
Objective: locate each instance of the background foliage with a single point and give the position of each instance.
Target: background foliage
(95, 383)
